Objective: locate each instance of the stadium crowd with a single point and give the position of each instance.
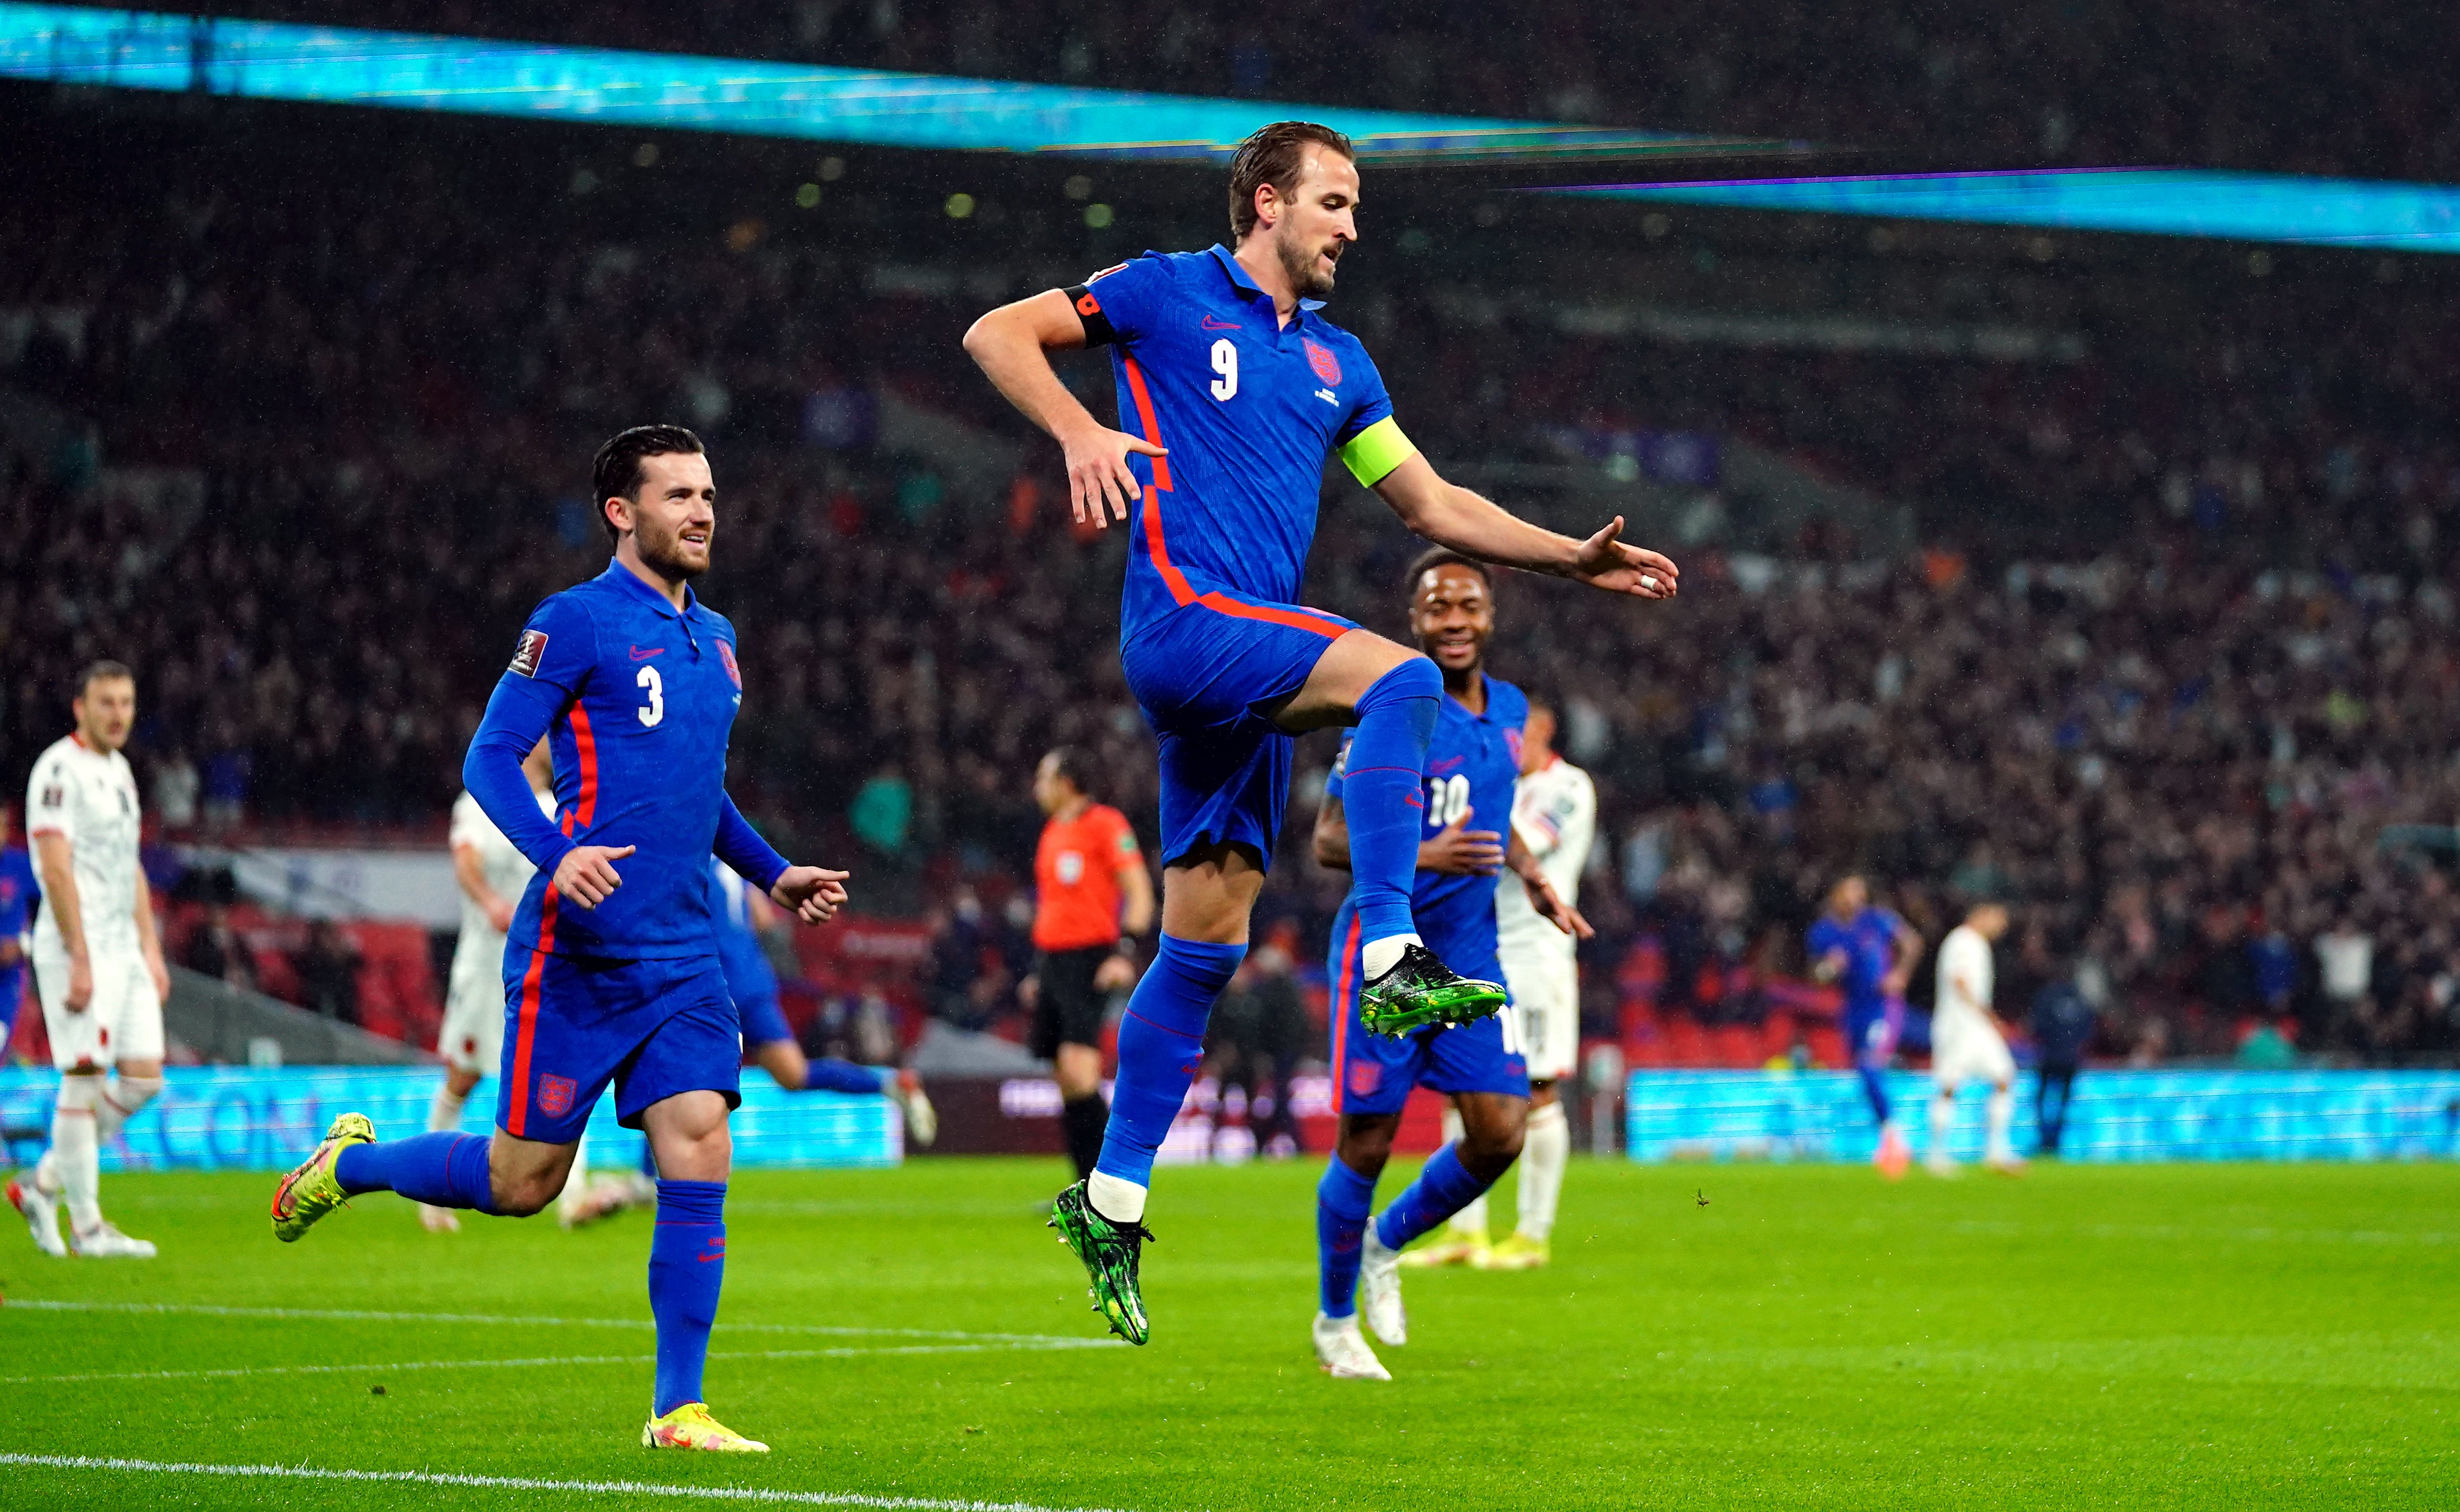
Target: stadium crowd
(306, 464)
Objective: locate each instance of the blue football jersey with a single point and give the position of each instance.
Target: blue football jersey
(749, 974)
(637, 699)
(1473, 769)
(18, 891)
(1870, 946)
(1249, 410)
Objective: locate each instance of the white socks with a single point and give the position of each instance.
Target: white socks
(120, 1099)
(1115, 1198)
(76, 1158)
(445, 1112)
(1470, 1222)
(2003, 1110)
(1380, 956)
(1942, 1120)
(1545, 1151)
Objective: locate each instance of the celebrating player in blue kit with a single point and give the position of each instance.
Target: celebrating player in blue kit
(1239, 389)
(611, 971)
(1473, 765)
(1870, 953)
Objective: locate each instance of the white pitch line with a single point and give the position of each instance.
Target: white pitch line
(426, 1478)
(559, 1359)
(354, 1316)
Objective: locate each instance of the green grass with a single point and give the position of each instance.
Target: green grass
(2188, 1336)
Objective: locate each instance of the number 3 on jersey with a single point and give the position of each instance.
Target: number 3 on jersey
(1225, 363)
(656, 687)
(1447, 800)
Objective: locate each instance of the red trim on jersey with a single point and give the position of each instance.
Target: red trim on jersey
(518, 1117)
(1341, 1012)
(1145, 416)
(584, 747)
(46, 829)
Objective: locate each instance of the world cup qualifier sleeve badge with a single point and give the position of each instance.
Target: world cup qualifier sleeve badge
(526, 655)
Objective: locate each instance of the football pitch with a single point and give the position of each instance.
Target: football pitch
(2188, 1336)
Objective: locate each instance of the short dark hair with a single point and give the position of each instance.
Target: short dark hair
(104, 670)
(1273, 156)
(616, 472)
(1433, 556)
(1069, 764)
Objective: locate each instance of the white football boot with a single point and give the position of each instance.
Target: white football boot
(1379, 1290)
(42, 1214)
(105, 1242)
(1343, 1353)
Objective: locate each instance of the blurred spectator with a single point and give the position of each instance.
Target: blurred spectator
(220, 952)
(2345, 955)
(976, 960)
(2266, 1048)
(883, 812)
(1258, 1034)
(328, 968)
(174, 793)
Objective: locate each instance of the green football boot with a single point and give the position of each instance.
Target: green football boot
(1420, 990)
(311, 1190)
(1111, 1252)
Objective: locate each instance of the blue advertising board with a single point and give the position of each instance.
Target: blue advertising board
(2115, 1115)
(238, 1117)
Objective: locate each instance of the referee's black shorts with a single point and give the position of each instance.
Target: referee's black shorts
(1068, 1011)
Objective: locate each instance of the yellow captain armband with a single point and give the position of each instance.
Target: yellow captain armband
(1371, 455)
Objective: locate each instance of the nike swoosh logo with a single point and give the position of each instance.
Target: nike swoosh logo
(640, 655)
(1446, 764)
(1211, 324)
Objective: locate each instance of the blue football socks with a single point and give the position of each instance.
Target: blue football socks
(1342, 1200)
(829, 1074)
(1162, 1042)
(1442, 1189)
(1380, 796)
(447, 1169)
(1872, 1087)
(687, 1268)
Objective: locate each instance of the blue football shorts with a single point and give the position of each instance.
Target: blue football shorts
(1373, 1074)
(575, 1023)
(1200, 673)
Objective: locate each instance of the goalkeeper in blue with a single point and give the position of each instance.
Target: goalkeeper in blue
(611, 966)
(1233, 391)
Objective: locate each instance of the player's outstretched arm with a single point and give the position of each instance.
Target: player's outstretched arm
(1473, 526)
(1542, 896)
(812, 894)
(1012, 345)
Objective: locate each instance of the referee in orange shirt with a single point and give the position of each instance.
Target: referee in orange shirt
(1087, 866)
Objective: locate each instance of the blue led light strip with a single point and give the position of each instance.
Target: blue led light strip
(2161, 201)
(400, 71)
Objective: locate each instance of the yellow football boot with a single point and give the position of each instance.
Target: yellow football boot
(311, 1190)
(1454, 1248)
(691, 1427)
(1518, 1252)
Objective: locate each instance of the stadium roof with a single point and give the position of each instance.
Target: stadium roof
(2166, 202)
(404, 71)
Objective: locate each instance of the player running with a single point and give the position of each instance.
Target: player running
(1969, 1043)
(1871, 953)
(1240, 389)
(1091, 899)
(611, 973)
(1554, 817)
(491, 873)
(1473, 764)
(98, 964)
(742, 915)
